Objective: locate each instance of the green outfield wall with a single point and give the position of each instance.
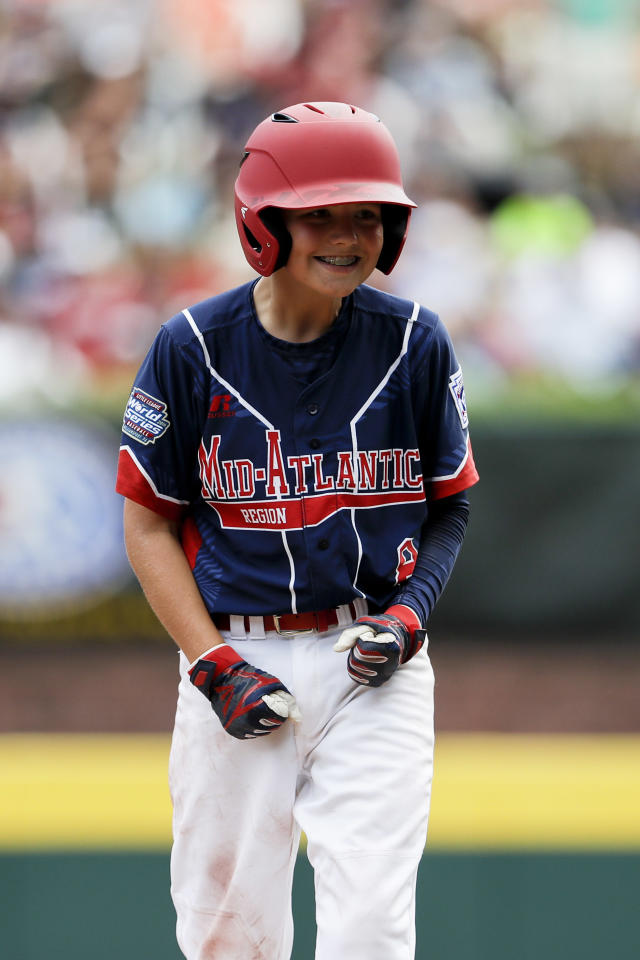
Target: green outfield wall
(552, 545)
(471, 906)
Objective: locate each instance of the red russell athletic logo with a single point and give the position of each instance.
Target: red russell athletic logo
(220, 406)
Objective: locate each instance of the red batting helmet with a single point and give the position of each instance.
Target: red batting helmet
(314, 155)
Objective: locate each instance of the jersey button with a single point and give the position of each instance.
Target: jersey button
(312, 409)
(314, 444)
(323, 544)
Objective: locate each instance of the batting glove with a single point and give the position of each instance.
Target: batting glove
(248, 702)
(378, 644)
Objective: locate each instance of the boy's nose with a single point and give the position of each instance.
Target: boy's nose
(344, 229)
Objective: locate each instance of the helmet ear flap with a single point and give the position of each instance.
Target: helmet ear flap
(395, 223)
(261, 246)
(274, 222)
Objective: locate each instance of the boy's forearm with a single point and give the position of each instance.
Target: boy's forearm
(158, 560)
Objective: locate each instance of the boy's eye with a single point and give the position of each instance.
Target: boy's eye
(369, 215)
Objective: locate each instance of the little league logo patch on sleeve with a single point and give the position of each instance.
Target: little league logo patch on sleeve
(145, 418)
(456, 386)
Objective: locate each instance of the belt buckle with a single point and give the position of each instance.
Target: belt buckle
(289, 633)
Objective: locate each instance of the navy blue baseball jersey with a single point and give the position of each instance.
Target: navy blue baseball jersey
(294, 497)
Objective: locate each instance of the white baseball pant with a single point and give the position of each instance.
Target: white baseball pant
(354, 775)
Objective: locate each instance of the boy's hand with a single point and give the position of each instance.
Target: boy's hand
(377, 646)
(248, 702)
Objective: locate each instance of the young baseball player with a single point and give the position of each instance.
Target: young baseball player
(294, 459)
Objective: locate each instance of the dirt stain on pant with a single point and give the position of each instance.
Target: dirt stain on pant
(230, 940)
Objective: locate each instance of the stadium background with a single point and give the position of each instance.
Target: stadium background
(518, 121)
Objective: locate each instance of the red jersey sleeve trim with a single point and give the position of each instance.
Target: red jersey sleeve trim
(135, 483)
(464, 478)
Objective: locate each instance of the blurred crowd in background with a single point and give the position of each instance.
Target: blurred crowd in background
(518, 121)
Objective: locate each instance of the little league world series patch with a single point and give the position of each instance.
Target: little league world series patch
(145, 417)
(456, 386)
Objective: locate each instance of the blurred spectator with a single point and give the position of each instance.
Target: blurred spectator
(121, 124)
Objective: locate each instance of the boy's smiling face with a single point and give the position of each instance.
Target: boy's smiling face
(334, 248)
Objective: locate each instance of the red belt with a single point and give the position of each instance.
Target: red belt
(290, 623)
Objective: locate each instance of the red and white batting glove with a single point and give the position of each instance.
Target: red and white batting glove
(378, 644)
(248, 702)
